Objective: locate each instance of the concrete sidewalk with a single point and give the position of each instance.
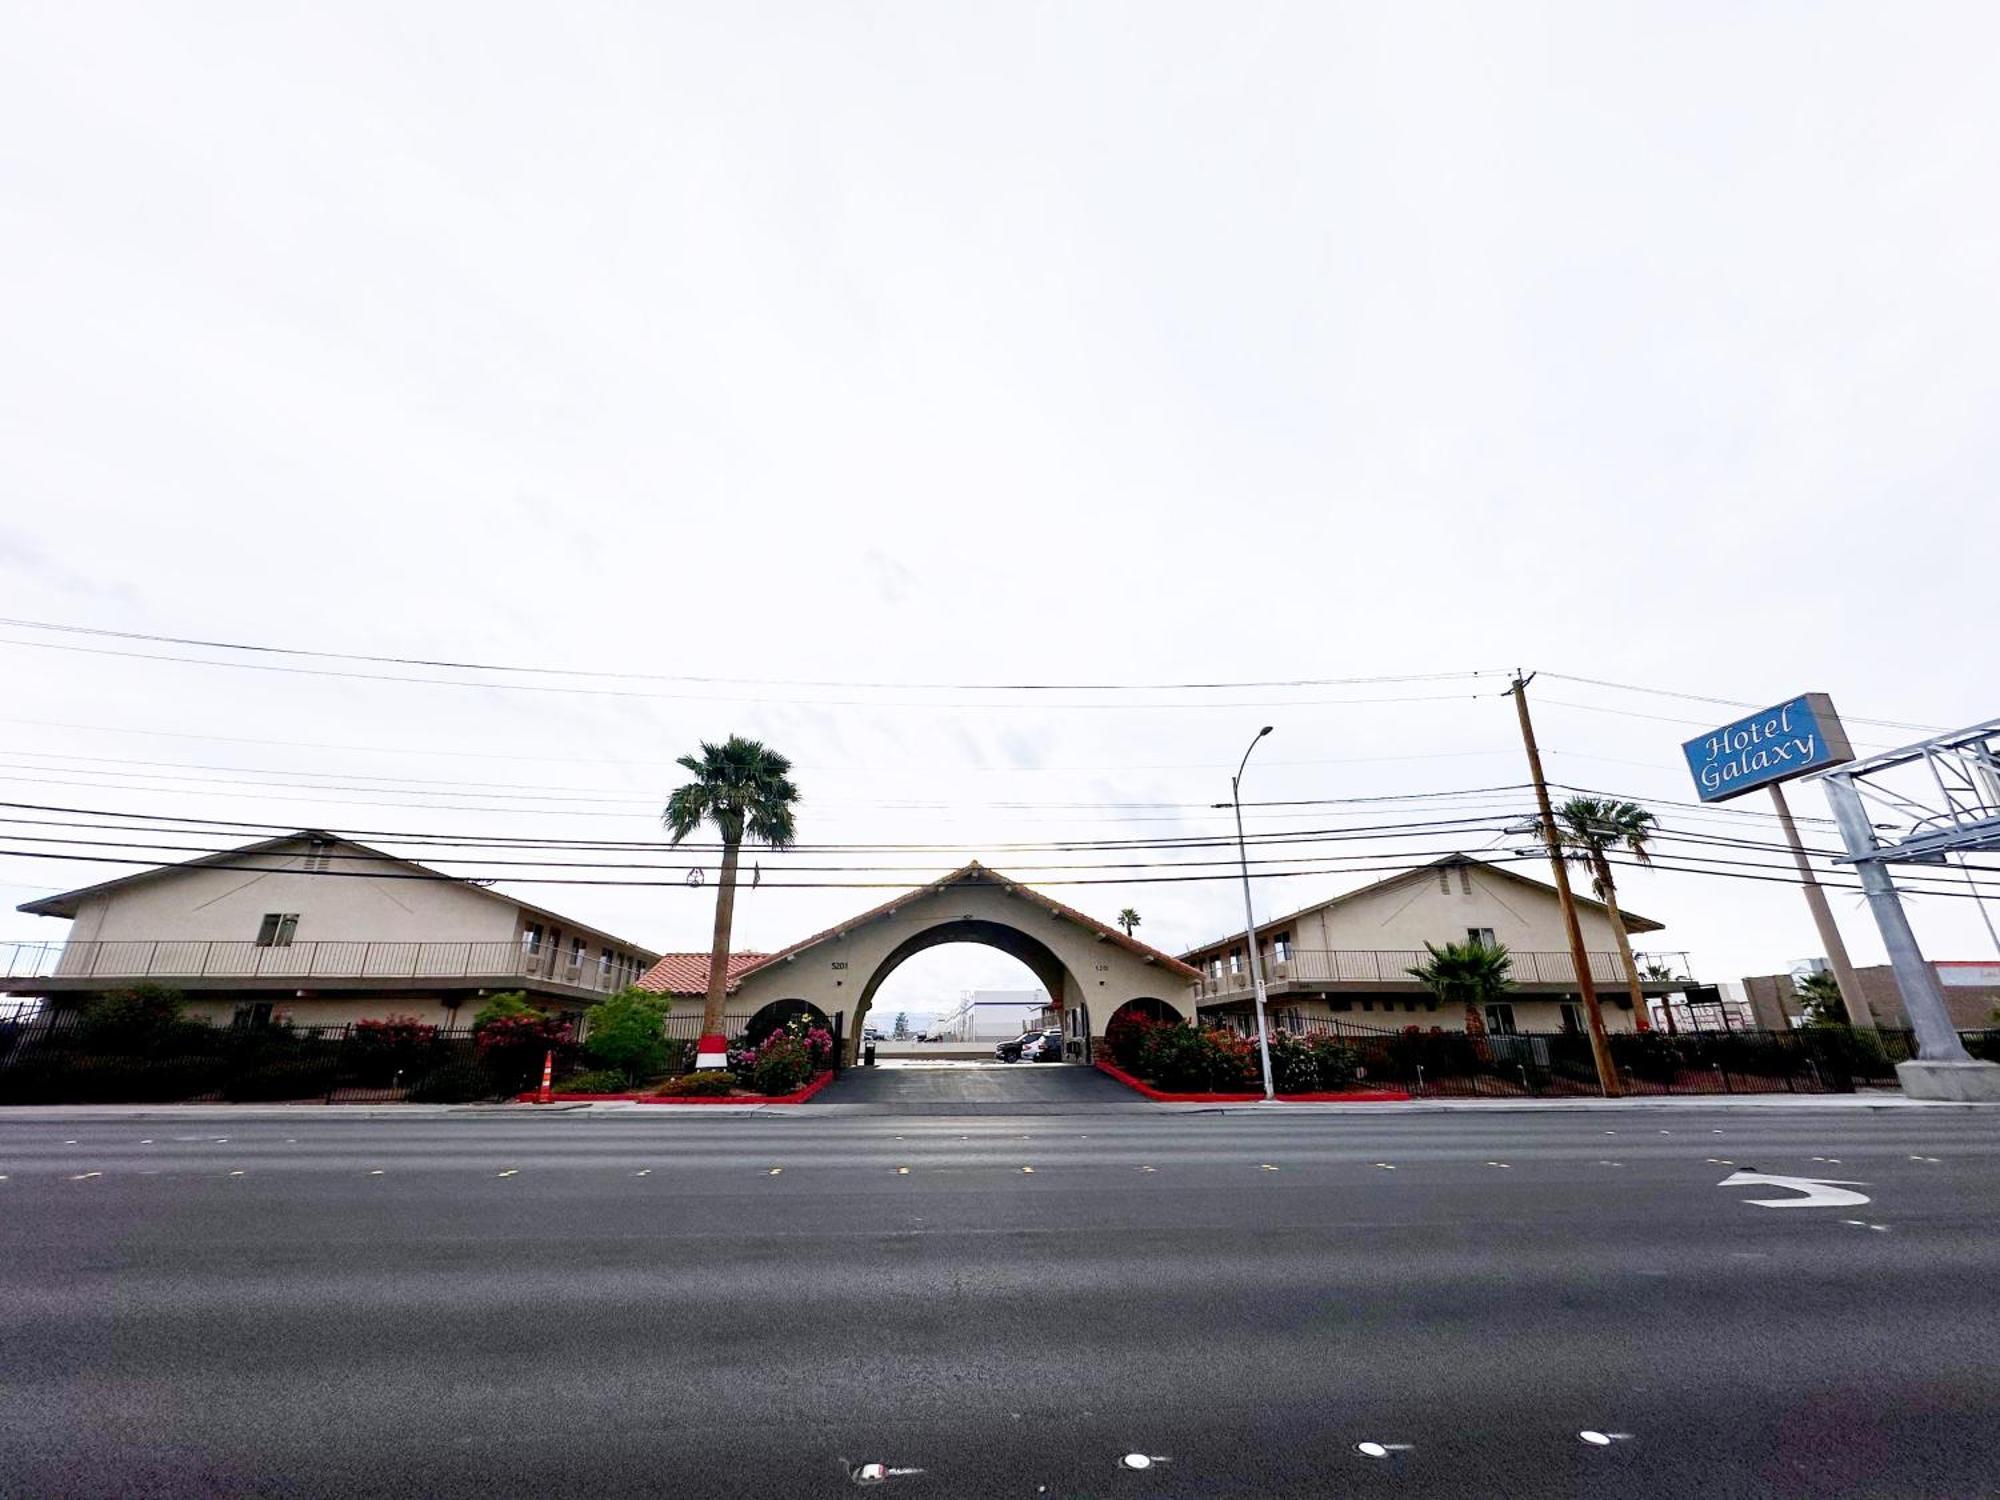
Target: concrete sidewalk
(1834, 1104)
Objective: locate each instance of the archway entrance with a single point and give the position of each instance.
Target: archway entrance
(1087, 968)
(781, 1013)
(1048, 971)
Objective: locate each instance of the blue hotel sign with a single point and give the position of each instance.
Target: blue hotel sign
(1771, 745)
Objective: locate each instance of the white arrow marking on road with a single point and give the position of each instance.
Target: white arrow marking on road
(1819, 1192)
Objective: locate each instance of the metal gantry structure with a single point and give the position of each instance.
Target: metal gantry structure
(1939, 798)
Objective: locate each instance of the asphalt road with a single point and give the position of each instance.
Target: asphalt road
(755, 1306)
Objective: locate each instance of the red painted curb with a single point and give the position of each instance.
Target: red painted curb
(1354, 1096)
(800, 1097)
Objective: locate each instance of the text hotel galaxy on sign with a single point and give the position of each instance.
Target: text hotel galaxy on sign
(1774, 744)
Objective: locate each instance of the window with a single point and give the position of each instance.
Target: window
(604, 964)
(1235, 960)
(1444, 882)
(577, 948)
(277, 928)
(1465, 879)
(531, 937)
(1481, 935)
(1281, 947)
(1500, 1020)
(1572, 1016)
(250, 1016)
(319, 855)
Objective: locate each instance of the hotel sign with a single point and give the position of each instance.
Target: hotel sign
(1772, 745)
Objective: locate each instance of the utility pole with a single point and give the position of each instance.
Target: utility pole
(1600, 1048)
(1858, 1013)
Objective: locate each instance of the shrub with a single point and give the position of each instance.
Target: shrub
(296, 1079)
(1192, 1060)
(1336, 1064)
(625, 1033)
(597, 1081)
(130, 1021)
(454, 1083)
(108, 1080)
(1845, 1052)
(378, 1050)
(709, 1083)
(782, 1065)
(511, 1046)
(1125, 1039)
(508, 1005)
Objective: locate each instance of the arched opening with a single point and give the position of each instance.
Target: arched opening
(1145, 1008)
(779, 1013)
(1053, 978)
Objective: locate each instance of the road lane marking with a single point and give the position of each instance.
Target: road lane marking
(1148, 1169)
(1819, 1192)
(509, 1172)
(1029, 1170)
(1385, 1166)
(375, 1172)
(85, 1176)
(643, 1172)
(1924, 1158)
(900, 1172)
(1499, 1164)
(1603, 1163)
(1381, 1450)
(1602, 1439)
(1267, 1167)
(237, 1173)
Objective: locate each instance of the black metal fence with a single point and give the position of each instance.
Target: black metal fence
(56, 1060)
(1808, 1060)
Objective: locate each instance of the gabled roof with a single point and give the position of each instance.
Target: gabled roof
(1633, 921)
(973, 873)
(687, 973)
(68, 903)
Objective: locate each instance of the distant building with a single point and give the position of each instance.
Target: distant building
(1971, 995)
(995, 1015)
(316, 930)
(1348, 957)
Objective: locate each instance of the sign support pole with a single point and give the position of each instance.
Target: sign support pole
(1851, 994)
(1600, 1048)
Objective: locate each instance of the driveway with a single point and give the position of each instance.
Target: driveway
(977, 1088)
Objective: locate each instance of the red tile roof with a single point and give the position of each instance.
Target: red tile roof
(687, 973)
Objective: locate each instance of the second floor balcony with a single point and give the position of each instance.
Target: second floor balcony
(1357, 971)
(56, 968)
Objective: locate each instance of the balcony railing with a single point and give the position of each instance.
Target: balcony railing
(1390, 966)
(198, 958)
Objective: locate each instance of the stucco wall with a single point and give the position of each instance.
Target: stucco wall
(229, 905)
(1097, 974)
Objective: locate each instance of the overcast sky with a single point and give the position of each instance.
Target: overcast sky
(932, 343)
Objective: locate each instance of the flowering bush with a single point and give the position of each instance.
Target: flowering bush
(393, 1033)
(1192, 1060)
(1125, 1038)
(511, 1047)
(378, 1050)
(784, 1061)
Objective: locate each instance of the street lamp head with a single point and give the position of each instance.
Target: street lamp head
(1264, 731)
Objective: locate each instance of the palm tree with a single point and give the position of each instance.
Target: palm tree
(1468, 974)
(1588, 829)
(1823, 1003)
(1128, 919)
(745, 790)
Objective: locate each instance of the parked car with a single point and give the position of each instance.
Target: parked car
(1051, 1049)
(1043, 1046)
(1011, 1051)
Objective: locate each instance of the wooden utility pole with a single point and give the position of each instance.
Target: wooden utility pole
(1600, 1048)
(1858, 1011)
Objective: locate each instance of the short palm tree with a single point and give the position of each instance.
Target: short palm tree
(1469, 974)
(1824, 1004)
(1588, 829)
(744, 789)
(1128, 919)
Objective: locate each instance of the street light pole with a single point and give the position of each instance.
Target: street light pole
(1250, 920)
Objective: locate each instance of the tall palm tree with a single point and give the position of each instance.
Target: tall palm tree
(744, 789)
(1588, 829)
(1128, 919)
(1824, 1005)
(1469, 974)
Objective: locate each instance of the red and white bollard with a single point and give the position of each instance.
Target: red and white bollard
(548, 1093)
(712, 1052)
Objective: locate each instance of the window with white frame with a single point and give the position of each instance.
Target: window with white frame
(1500, 1020)
(1481, 935)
